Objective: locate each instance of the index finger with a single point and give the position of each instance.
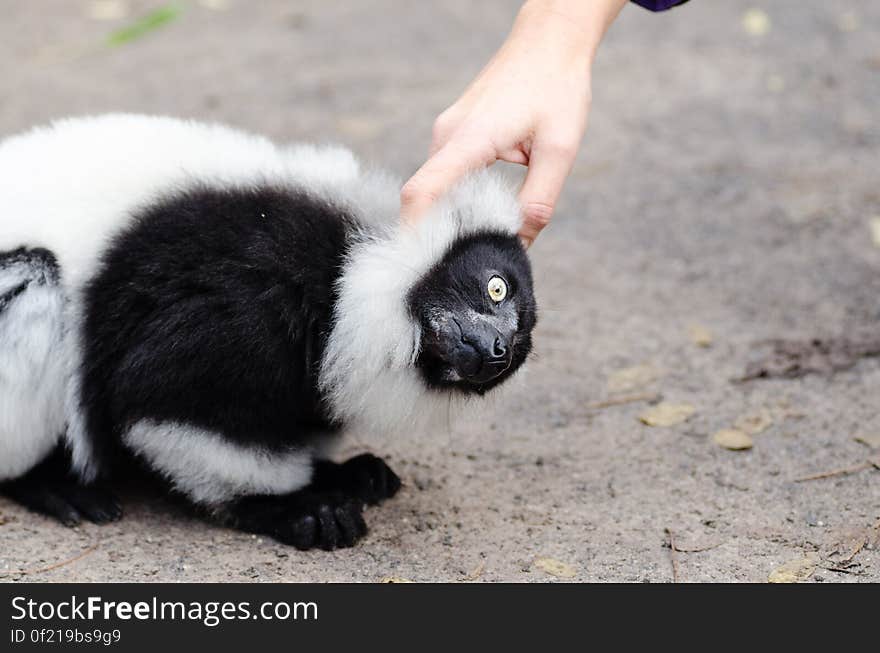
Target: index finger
(448, 165)
(548, 169)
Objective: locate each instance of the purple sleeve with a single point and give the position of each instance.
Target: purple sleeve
(659, 5)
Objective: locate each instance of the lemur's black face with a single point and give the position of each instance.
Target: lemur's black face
(477, 311)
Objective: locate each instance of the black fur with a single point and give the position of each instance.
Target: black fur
(51, 488)
(226, 296)
(458, 282)
(213, 309)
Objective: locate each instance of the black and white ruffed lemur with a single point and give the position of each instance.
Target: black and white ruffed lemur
(217, 308)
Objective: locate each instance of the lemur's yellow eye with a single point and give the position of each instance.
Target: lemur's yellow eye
(497, 289)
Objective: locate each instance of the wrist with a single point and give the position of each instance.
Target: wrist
(576, 26)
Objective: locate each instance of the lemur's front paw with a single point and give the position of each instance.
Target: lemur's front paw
(328, 521)
(365, 477)
(304, 519)
(328, 513)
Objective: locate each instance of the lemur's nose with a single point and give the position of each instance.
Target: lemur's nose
(492, 349)
(499, 348)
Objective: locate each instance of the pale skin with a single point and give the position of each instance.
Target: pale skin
(529, 105)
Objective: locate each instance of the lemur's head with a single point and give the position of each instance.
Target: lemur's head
(433, 314)
(476, 311)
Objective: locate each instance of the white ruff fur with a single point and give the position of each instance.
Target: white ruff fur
(72, 186)
(209, 469)
(368, 368)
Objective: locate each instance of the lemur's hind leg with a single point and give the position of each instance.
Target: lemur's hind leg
(32, 357)
(52, 489)
(328, 512)
(34, 468)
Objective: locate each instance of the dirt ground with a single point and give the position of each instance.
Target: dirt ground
(724, 195)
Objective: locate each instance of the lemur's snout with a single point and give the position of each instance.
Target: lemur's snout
(484, 353)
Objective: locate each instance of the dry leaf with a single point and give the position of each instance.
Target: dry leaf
(848, 22)
(108, 9)
(754, 424)
(666, 414)
(632, 378)
(700, 335)
(870, 439)
(733, 439)
(783, 411)
(794, 571)
(359, 126)
(756, 22)
(775, 84)
(215, 5)
(476, 573)
(555, 568)
(395, 579)
(874, 224)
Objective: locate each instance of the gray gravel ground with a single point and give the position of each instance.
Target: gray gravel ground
(728, 181)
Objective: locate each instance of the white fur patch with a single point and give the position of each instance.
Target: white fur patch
(209, 469)
(367, 372)
(31, 373)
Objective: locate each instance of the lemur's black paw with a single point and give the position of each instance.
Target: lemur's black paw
(328, 513)
(325, 520)
(67, 501)
(367, 478)
(306, 519)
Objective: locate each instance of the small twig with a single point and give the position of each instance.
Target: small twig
(672, 551)
(838, 472)
(23, 572)
(841, 570)
(699, 549)
(626, 399)
(745, 378)
(476, 573)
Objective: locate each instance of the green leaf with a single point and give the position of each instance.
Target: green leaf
(146, 24)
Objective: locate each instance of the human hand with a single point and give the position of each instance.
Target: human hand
(529, 105)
